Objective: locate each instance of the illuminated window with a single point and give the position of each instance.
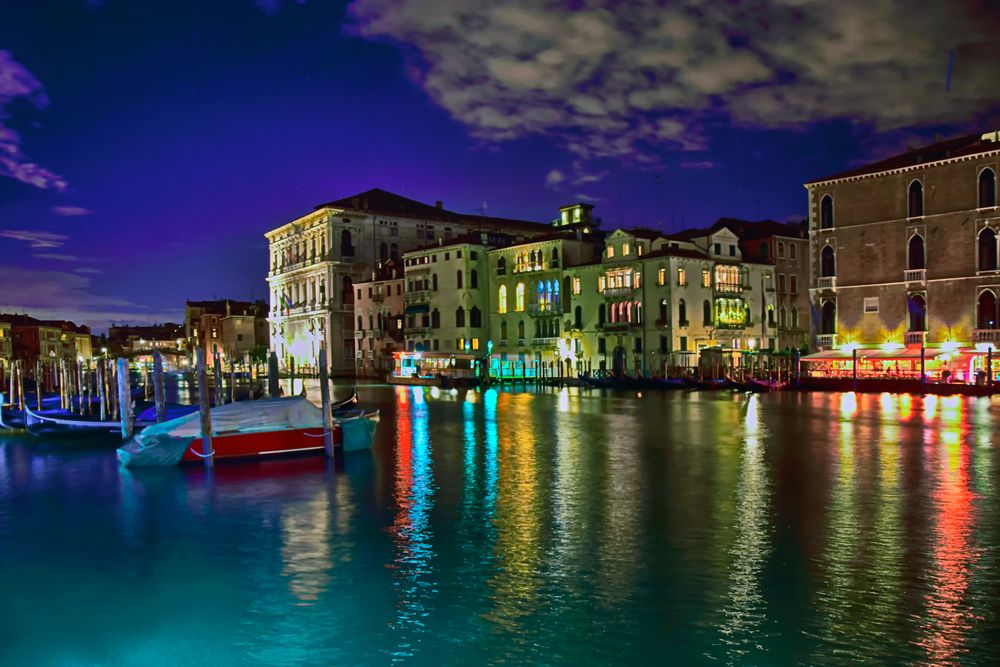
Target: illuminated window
(706, 278)
(639, 248)
(611, 251)
(636, 279)
(502, 299)
(682, 276)
(475, 343)
(727, 278)
(519, 298)
(625, 249)
(602, 283)
(576, 284)
(661, 277)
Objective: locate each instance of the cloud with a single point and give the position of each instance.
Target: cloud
(17, 82)
(71, 211)
(624, 81)
(554, 179)
(57, 257)
(702, 164)
(35, 239)
(586, 198)
(87, 269)
(65, 295)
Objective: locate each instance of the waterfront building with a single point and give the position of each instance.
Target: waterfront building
(33, 339)
(529, 295)
(127, 339)
(316, 259)
(6, 343)
(232, 328)
(378, 314)
(905, 257)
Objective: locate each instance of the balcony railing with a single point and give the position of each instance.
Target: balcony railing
(378, 297)
(619, 326)
(417, 296)
(358, 333)
(915, 337)
(826, 282)
(986, 335)
(826, 340)
(537, 310)
(734, 325)
(728, 288)
(419, 331)
(915, 275)
(617, 291)
(544, 341)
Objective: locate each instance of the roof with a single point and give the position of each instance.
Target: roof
(382, 201)
(663, 252)
(748, 229)
(21, 320)
(970, 144)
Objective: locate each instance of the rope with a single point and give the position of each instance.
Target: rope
(202, 456)
(311, 435)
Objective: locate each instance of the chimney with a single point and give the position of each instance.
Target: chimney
(355, 202)
(439, 204)
(364, 203)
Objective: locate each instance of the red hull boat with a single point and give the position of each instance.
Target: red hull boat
(263, 444)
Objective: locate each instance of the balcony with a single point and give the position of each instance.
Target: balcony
(537, 310)
(728, 289)
(986, 335)
(417, 296)
(617, 291)
(915, 276)
(915, 337)
(619, 326)
(826, 282)
(359, 333)
(378, 297)
(374, 333)
(415, 332)
(826, 340)
(733, 326)
(663, 324)
(543, 342)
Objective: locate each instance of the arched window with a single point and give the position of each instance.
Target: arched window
(682, 313)
(434, 282)
(460, 317)
(361, 323)
(987, 250)
(383, 251)
(918, 312)
(502, 299)
(474, 279)
(435, 319)
(795, 317)
(706, 313)
(371, 322)
(601, 315)
(555, 258)
(987, 188)
(394, 252)
(915, 199)
(458, 279)
(826, 212)
(828, 318)
(915, 252)
(791, 251)
(782, 317)
(519, 298)
(475, 318)
(664, 312)
(503, 331)
(781, 250)
(520, 329)
(638, 312)
(501, 266)
(578, 317)
(614, 313)
(770, 316)
(555, 296)
(346, 245)
(986, 310)
(827, 263)
(541, 296)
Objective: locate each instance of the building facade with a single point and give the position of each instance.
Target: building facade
(231, 328)
(316, 259)
(378, 313)
(904, 252)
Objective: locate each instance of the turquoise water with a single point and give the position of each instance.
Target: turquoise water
(517, 528)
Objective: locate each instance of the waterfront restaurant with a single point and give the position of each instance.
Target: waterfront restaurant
(944, 363)
(434, 368)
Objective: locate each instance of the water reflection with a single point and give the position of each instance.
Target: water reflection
(746, 609)
(412, 534)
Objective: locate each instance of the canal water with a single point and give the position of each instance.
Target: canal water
(491, 527)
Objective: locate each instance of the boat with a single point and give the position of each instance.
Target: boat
(767, 385)
(247, 430)
(711, 385)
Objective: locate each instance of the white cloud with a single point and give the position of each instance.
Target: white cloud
(57, 257)
(17, 82)
(35, 239)
(579, 175)
(71, 211)
(701, 164)
(621, 80)
(554, 179)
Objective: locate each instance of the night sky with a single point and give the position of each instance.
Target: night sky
(145, 147)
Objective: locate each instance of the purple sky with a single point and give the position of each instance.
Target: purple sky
(145, 147)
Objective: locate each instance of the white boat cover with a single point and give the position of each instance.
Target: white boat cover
(165, 444)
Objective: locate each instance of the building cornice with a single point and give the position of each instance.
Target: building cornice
(902, 170)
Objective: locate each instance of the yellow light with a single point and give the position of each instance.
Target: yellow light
(751, 343)
(949, 346)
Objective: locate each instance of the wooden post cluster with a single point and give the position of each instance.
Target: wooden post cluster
(125, 400)
(205, 409)
(324, 390)
(158, 392)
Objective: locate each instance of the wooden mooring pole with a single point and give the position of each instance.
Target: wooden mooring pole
(272, 376)
(324, 390)
(20, 385)
(220, 391)
(124, 400)
(38, 384)
(158, 394)
(205, 409)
